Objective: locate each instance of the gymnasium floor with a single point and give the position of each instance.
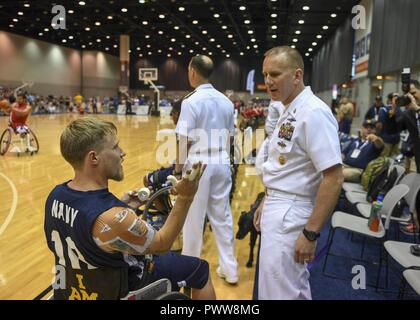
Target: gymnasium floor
(25, 181)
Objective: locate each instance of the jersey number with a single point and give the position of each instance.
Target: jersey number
(73, 253)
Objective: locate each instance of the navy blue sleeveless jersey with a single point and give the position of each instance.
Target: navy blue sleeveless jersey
(90, 271)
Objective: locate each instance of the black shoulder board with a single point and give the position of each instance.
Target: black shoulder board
(188, 95)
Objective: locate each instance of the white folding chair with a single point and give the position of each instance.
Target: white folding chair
(359, 225)
(411, 277)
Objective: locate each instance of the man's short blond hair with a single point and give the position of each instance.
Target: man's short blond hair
(293, 57)
(84, 135)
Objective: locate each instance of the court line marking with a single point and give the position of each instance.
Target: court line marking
(13, 207)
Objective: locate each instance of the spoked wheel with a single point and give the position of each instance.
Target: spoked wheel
(5, 140)
(158, 207)
(33, 142)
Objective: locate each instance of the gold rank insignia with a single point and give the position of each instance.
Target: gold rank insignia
(282, 159)
(286, 131)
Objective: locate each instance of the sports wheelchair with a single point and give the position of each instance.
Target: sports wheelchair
(21, 138)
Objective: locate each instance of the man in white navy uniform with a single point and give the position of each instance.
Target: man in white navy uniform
(205, 131)
(303, 177)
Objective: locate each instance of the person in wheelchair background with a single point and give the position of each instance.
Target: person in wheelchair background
(104, 248)
(20, 111)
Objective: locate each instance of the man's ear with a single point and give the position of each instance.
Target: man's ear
(298, 75)
(93, 157)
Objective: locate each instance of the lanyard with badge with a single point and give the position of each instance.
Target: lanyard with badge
(376, 113)
(356, 152)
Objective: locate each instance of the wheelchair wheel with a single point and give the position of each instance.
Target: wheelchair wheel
(173, 296)
(33, 141)
(5, 140)
(158, 208)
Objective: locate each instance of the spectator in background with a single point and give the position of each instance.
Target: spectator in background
(361, 151)
(410, 120)
(373, 112)
(334, 106)
(387, 127)
(345, 115)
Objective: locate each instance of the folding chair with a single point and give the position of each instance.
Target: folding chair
(359, 225)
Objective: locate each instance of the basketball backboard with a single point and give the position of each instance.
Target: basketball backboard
(146, 74)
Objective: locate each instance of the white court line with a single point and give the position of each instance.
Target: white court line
(14, 204)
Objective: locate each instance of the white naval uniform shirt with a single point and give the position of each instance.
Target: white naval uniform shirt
(275, 109)
(309, 145)
(207, 118)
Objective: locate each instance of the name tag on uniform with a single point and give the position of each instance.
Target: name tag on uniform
(355, 154)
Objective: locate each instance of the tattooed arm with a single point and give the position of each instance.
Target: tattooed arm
(119, 228)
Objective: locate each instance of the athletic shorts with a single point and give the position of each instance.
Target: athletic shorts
(181, 270)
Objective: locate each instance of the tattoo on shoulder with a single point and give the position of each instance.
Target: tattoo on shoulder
(139, 228)
(121, 215)
(122, 246)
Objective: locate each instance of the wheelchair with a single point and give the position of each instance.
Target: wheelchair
(158, 290)
(20, 138)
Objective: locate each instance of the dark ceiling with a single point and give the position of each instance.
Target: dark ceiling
(180, 27)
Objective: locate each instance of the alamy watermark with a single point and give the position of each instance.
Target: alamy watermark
(359, 280)
(359, 20)
(59, 20)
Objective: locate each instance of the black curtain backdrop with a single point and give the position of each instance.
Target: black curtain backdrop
(333, 62)
(228, 74)
(395, 40)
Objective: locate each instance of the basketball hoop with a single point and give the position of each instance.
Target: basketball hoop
(25, 84)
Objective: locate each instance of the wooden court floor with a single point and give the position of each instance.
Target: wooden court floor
(25, 261)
